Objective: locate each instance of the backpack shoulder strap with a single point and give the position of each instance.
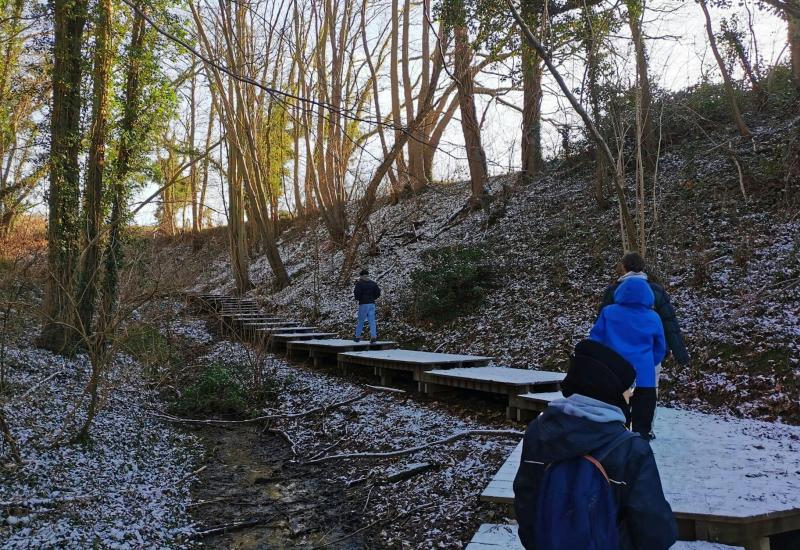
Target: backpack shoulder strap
(601, 454)
(598, 456)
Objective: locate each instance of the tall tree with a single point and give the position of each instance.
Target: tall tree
(736, 114)
(794, 46)
(64, 194)
(646, 137)
(86, 292)
(462, 54)
(532, 70)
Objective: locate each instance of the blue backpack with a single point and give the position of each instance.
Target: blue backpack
(576, 507)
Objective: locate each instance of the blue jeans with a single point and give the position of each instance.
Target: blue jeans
(366, 312)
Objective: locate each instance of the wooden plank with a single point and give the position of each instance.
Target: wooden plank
(287, 336)
(278, 341)
(413, 357)
(496, 380)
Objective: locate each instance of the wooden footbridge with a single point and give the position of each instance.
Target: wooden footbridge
(728, 488)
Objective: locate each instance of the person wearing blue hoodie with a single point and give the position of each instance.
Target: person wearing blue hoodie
(589, 421)
(631, 328)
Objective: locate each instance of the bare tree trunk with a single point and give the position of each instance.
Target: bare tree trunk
(794, 47)
(476, 158)
(237, 234)
(416, 168)
(394, 84)
(93, 199)
(131, 110)
(532, 99)
(744, 131)
(193, 153)
(63, 198)
(648, 137)
(592, 72)
(212, 111)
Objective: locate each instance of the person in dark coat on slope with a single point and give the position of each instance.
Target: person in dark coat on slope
(366, 291)
(590, 417)
(634, 268)
(631, 328)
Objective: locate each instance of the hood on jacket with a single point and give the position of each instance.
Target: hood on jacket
(635, 291)
(633, 275)
(562, 435)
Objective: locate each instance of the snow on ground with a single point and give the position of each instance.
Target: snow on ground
(381, 422)
(127, 488)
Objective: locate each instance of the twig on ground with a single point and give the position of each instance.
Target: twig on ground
(384, 388)
(285, 436)
(265, 418)
(369, 494)
(31, 502)
(37, 384)
(327, 449)
(190, 474)
(228, 527)
(411, 450)
(378, 522)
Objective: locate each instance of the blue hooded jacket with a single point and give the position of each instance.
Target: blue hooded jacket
(631, 328)
(578, 426)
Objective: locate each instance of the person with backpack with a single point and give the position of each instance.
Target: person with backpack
(631, 328)
(584, 481)
(366, 291)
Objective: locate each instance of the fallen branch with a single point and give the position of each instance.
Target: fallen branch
(37, 384)
(49, 502)
(228, 527)
(384, 388)
(257, 419)
(411, 450)
(190, 474)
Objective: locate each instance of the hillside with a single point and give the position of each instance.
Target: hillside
(731, 265)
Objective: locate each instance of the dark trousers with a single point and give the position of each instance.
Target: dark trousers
(643, 408)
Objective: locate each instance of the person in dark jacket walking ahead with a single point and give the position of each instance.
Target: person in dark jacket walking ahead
(587, 420)
(366, 292)
(631, 328)
(633, 265)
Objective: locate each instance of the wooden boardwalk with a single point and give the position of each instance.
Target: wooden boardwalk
(329, 349)
(526, 406)
(494, 536)
(277, 340)
(730, 481)
(386, 363)
(495, 380)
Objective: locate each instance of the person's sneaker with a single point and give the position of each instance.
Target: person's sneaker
(649, 437)
(356, 339)
(373, 340)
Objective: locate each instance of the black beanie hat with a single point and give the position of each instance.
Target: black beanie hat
(598, 372)
(364, 272)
